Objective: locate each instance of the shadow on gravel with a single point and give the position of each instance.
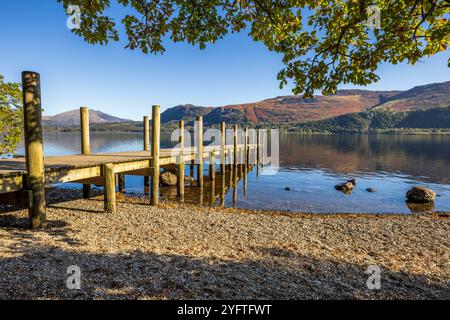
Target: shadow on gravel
(41, 272)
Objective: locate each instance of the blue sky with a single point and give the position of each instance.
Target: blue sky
(126, 83)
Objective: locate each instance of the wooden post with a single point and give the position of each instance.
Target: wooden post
(245, 160)
(121, 182)
(235, 152)
(146, 136)
(222, 147)
(258, 151)
(191, 168)
(223, 191)
(34, 150)
(85, 143)
(109, 190)
(212, 166)
(154, 198)
(200, 151)
(180, 189)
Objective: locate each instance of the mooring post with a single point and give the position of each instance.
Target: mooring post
(191, 168)
(245, 160)
(109, 191)
(146, 135)
(85, 143)
(258, 151)
(121, 182)
(200, 151)
(154, 198)
(235, 152)
(222, 147)
(212, 166)
(34, 150)
(180, 185)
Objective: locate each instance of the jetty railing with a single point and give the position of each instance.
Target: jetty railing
(28, 177)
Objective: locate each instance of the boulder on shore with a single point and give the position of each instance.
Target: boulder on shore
(420, 194)
(168, 179)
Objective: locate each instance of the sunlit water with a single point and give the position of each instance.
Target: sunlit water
(311, 165)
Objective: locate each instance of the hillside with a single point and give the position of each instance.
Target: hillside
(381, 120)
(288, 110)
(422, 97)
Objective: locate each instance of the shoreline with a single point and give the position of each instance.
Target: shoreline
(179, 251)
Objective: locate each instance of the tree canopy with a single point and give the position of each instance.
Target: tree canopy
(11, 116)
(322, 43)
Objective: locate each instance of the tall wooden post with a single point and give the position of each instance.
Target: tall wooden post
(34, 150)
(200, 151)
(154, 198)
(191, 168)
(235, 152)
(180, 189)
(258, 151)
(212, 166)
(146, 135)
(85, 143)
(121, 182)
(109, 190)
(245, 160)
(222, 147)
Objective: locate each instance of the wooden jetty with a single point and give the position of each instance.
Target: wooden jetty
(28, 177)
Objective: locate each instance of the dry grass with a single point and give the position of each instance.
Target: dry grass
(176, 251)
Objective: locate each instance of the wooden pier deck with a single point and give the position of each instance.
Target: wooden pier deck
(29, 176)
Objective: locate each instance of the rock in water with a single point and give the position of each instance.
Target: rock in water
(346, 187)
(420, 194)
(287, 188)
(168, 179)
(352, 181)
(371, 190)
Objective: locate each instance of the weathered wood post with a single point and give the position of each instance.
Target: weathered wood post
(191, 168)
(258, 150)
(34, 150)
(180, 161)
(121, 182)
(85, 143)
(235, 148)
(200, 151)
(154, 198)
(245, 160)
(222, 147)
(146, 145)
(109, 190)
(212, 166)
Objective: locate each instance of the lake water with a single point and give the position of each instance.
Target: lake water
(311, 165)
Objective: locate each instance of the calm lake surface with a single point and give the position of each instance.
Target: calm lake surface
(311, 165)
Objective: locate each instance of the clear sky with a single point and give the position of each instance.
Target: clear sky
(124, 83)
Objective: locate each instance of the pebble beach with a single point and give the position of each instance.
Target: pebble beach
(181, 251)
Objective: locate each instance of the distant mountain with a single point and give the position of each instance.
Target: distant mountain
(72, 118)
(187, 112)
(421, 97)
(291, 110)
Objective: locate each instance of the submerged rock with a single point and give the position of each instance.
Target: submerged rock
(371, 190)
(346, 187)
(287, 188)
(168, 179)
(420, 195)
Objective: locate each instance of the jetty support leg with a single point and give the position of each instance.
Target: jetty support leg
(110, 188)
(85, 143)
(34, 149)
(200, 151)
(180, 161)
(154, 198)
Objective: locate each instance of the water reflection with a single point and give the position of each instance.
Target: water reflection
(310, 167)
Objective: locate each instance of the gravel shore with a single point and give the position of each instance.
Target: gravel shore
(182, 251)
